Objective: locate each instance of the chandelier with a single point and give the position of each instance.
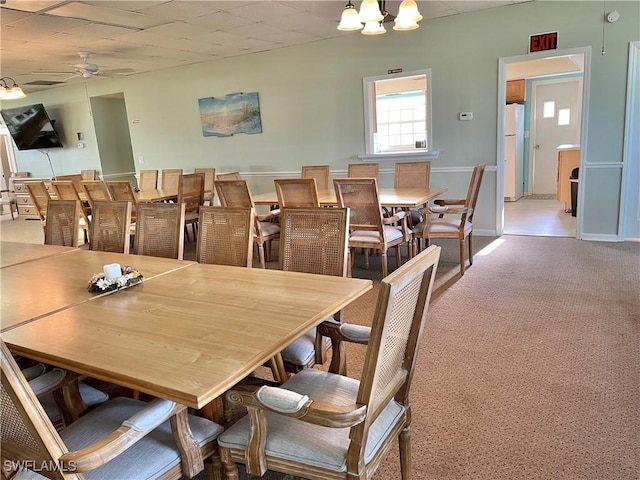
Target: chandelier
(372, 14)
(10, 92)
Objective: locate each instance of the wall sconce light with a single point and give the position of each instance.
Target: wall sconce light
(372, 14)
(10, 92)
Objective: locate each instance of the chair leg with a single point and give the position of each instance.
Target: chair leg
(261, 255)
(398, 261)
(366, 258)
(405, 453)
(470, 240)
(385, 270)
(462, 262)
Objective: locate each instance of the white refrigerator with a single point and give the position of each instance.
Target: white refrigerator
(513, 152)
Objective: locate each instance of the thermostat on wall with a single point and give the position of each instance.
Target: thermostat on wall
(463, 116)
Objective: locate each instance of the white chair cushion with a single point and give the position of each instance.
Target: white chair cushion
(269, 228)
(302, 351)
(325, 447)
(149, 457)
(390, 234)
(442, 225)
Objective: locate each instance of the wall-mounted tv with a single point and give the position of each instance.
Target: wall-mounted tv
(30, 127)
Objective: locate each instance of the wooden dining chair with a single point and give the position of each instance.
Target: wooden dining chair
(76, 178)
(148, 180)
(236, 194)
(413, 175)
(323, 425)
(89, 174)
(297, 192)
(111, 226)
(9, 199)
(170, 179)
(228, 176)
(369, 229)
(122, 438)
(160, 230)
(363, 170)
(62, 223)
(123, 191)
(191, 194)
(320, 172)
(39, 196)
(95, 190)
(312, 240)
(454, 219)
(209, 178)
(66, 190)
(225, 236)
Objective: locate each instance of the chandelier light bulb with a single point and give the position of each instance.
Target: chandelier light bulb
(373, 28)
(404, 25)
(350, 20)
(370, 12)
(408, 12)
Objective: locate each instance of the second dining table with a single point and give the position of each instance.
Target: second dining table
(389, 197)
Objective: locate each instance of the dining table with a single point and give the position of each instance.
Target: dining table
(48, 284)
(157, 195)
(186, 335)
(389, 197)
(14, 253)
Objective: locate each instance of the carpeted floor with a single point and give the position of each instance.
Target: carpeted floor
(529, 366)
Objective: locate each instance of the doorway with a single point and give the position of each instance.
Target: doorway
(553, 80)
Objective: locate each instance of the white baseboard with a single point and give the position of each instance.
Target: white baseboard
(478, 232)
(600, 237)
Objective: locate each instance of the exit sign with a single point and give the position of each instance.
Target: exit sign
(543, 41)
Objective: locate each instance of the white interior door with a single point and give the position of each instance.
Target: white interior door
(556, 122)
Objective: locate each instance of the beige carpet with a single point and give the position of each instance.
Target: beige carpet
(529, 367)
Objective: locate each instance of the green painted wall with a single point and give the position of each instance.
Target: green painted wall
(311, 100)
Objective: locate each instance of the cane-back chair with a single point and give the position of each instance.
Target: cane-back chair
(191, 193)
(297, 192)
(228, 176)
(413, 175)
(363, 170)
(236, 194)
(369, 229)
(76, 178)
(325, 426)
(148, 180)
(39, 196)
(123, 191)
(89, 174)
(122, 438)
(454, 219)
(312, 240)
(225, 236)
(209, 178)
(110, 226)
(170, 179)
(95, 190)
(62, 223)
(66, 190)
(160, 230)
(320, 172)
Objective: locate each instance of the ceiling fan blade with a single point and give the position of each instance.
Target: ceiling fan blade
(72, 76)
(52, 72)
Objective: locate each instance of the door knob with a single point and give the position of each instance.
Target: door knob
(537, 147)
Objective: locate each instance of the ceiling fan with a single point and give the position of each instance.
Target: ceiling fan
(87, 69)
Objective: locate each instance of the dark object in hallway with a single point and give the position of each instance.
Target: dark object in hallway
(574, 191)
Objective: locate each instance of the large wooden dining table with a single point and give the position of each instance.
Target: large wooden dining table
(389, 197)
(186, 335)
(14, 253)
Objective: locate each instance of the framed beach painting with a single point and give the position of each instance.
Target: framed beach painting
(231, 114)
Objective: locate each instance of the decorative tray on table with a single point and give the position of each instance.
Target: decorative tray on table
(110, 280)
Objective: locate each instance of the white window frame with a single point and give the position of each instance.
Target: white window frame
(368, 84)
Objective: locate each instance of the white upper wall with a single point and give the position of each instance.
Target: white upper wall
(311, 101)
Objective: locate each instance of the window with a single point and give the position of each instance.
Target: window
(397, 113)
(564, 116)
(549, 109)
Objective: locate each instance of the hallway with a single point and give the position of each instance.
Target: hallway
(537, 217)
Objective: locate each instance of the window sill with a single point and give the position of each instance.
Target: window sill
(422, 155)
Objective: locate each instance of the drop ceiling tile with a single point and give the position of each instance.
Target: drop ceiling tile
(8, 16)
(131, 6)
(221, 20)
(32, 5)
(264, 11)
(178, 29)
(107, 15)
(181, 10)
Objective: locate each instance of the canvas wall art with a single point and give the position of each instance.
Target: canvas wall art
(231, 114)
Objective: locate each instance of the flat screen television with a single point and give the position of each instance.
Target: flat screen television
(30, 127)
